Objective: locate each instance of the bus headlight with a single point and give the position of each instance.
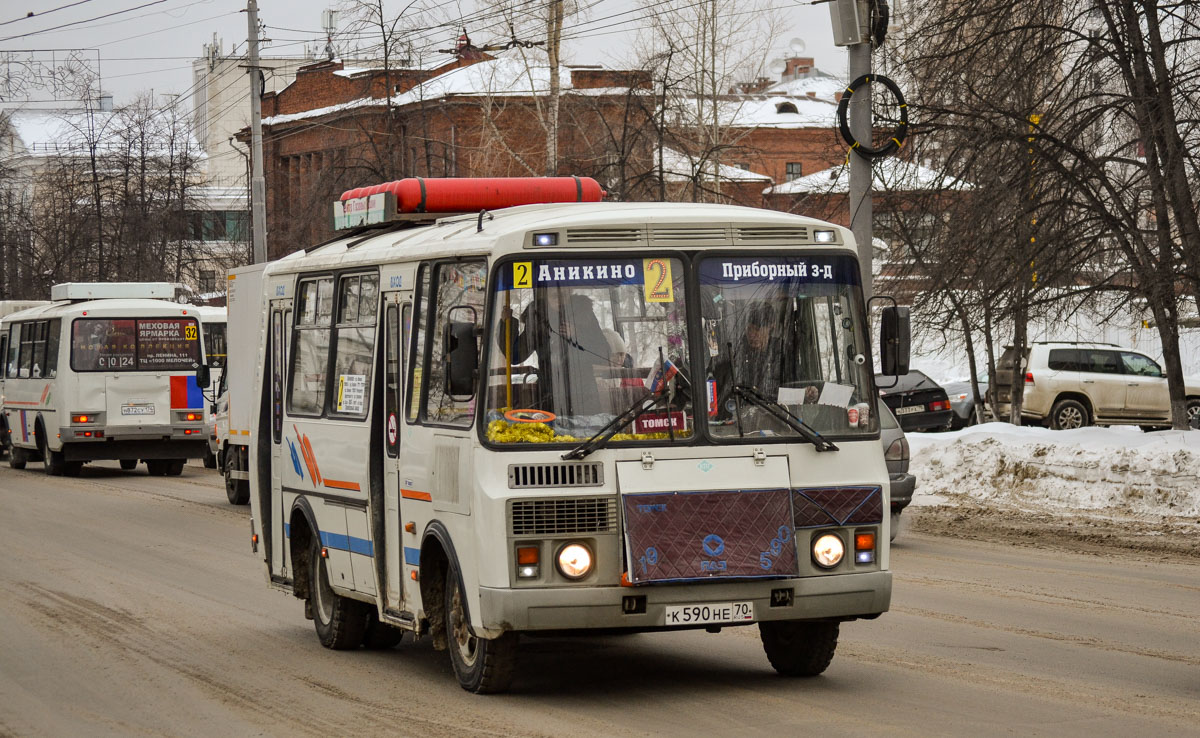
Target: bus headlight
(828, 550)
(574, 561)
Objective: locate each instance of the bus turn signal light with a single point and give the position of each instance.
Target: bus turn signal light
(864, 541)
(83, 418)
(528, 559)
(192, 416)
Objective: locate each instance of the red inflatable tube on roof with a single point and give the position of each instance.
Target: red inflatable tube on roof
(463, 194)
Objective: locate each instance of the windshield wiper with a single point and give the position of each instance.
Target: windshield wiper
(635, 411)
(781, 413)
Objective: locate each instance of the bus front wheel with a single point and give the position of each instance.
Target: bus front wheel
(340, 621)
(797, 648)
(482, 665)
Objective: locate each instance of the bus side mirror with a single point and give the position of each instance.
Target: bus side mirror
(462, 354)
(894, 340)
(202, 377)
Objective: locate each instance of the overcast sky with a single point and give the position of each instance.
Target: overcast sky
(145, 45)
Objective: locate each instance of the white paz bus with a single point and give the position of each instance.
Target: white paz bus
(105, 371)
(567, 417)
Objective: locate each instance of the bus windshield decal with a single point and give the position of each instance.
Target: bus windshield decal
(133, 344)
(787, 269)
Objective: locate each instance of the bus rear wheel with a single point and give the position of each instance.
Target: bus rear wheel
(175, 467)
(340, 621)
(236, 490)
(156, 467)
(17, 457)
(128, 464)
(797, 648)
(482, 665)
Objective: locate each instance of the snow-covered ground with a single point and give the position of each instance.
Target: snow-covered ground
(1118, 470)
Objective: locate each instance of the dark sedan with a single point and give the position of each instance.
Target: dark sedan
(917, 401)
(962, 401)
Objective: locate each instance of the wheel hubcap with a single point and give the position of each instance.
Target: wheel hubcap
(1192, 412)
(1069, 417)
(467, 644)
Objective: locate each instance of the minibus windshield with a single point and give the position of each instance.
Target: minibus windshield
(576, 342)
(134, 344)
(788, 332)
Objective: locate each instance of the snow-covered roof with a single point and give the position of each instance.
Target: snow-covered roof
(821, 85)
(887, 175)
(772, 111)
(504, 76)
(680, 167)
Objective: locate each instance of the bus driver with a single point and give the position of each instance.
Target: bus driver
(564, 333)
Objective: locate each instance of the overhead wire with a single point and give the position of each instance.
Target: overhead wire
(87, 20)
(44, 12)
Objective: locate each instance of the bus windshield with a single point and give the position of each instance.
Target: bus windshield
(576, 342)
(786, 331)
(134, 344)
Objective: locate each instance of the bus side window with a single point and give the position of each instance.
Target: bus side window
(53, 329)
(310, 362)
(28, 331)
(417, 365)
(358, 298)
(458, 285)
(4, 346)
(14, 348)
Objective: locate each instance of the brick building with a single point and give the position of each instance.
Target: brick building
(335, 128)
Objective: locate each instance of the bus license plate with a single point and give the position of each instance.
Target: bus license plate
(910, 409)
(725, 612)
(137, 409)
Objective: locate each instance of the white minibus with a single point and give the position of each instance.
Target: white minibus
(569, 417)
(105, 371)
(213, 325)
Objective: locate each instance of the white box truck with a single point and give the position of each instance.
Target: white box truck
(234, 402)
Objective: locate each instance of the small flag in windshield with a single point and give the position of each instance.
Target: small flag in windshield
(661, 373)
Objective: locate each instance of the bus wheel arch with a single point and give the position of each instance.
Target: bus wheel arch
(303, 529)
(437, 552)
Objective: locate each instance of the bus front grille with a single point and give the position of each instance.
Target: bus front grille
(563, 516)
(581, 474)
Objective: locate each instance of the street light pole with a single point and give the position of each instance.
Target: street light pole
(258, 185)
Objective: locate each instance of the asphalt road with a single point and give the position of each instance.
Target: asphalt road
(131, 605)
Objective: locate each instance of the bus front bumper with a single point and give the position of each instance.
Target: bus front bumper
(843, 596)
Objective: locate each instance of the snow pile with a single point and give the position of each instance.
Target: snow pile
(1119, 470)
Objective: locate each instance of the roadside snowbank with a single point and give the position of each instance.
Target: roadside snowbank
(1120, 470)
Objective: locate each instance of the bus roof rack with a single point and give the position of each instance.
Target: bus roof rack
(79, 291)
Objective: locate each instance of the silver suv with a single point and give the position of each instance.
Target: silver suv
(1073, 384)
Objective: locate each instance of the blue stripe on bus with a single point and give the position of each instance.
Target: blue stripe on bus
(412, 556)
(195, 398)
(341, 542)
(347, 543)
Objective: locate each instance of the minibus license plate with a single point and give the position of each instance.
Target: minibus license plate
(910, 409)
(725, 612)
(137, 409)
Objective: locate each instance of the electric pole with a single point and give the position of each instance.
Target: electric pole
(859, 63)
(258, 185)
(851, 23)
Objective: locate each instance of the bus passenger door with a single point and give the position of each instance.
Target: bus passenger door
(395, 305)
(280, 330)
